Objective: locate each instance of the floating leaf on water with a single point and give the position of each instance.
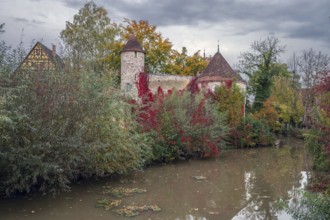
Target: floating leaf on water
(102, 202)
(130, 211)
(108, 204)
(199, 177)
(121, 191)
(113, 203)
(127, 212)
(155, 208)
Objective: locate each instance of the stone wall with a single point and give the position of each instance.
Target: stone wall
(168, 82)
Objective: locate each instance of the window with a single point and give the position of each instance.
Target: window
(128, 87)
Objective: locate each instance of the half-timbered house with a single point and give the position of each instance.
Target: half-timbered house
(40, 59)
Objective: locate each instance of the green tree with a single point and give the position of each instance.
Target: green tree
(90, 38)
(287, 101)
(261, 65)
(283, 107)
(3, 51)
(10, 57)
(1, 28)
(158, 49)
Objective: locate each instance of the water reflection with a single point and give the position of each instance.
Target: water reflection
(241, 184)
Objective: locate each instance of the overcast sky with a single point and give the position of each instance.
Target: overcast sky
(196, 24)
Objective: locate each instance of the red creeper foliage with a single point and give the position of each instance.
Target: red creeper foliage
(154, 115)
(323, 90)
(193, 86)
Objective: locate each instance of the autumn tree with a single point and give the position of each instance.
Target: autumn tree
(183, 64)
(287, 101)
(310, 64)
(261, 65)
(229, 100)
(158, 49)
(293, 63)
(89, 38)
(268, 114)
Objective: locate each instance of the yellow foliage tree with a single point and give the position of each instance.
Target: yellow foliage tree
(230, 100)
(269, 113)
(284, 106)
(157, 48)
(287, 101)
(183, 64)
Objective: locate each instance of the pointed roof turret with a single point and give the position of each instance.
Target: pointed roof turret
(218, 69)
(132, 45)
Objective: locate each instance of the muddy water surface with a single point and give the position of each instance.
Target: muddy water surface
(240, 184)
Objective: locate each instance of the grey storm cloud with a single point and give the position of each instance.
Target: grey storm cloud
(298, 23)
(32, 22)
(310, 18)
(17, 19)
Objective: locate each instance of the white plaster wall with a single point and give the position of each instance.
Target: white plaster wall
(212, 85)
(242, 86)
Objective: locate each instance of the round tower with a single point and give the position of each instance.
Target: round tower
(132, 63)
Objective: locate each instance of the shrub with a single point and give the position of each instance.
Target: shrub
(321, 159)
(318, 139)
(251, 133)
(182, 123)
(311, 206)
(58, 126)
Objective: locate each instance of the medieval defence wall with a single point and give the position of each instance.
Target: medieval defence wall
(168, 82)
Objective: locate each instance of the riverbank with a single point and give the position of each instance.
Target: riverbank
(234, 183)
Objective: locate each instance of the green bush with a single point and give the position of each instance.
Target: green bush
(57, 127)
(251, 133)
(321, 159)
(311, 206)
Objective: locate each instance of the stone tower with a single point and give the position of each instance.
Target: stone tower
(132, 63)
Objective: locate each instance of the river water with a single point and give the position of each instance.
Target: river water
(239, 184)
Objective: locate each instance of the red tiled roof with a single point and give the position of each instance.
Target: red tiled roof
(132, 45)
(218, 70)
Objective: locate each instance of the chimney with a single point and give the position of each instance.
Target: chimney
(53, 50)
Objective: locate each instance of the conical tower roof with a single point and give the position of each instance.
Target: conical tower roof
(132, 45)
(218, 69)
